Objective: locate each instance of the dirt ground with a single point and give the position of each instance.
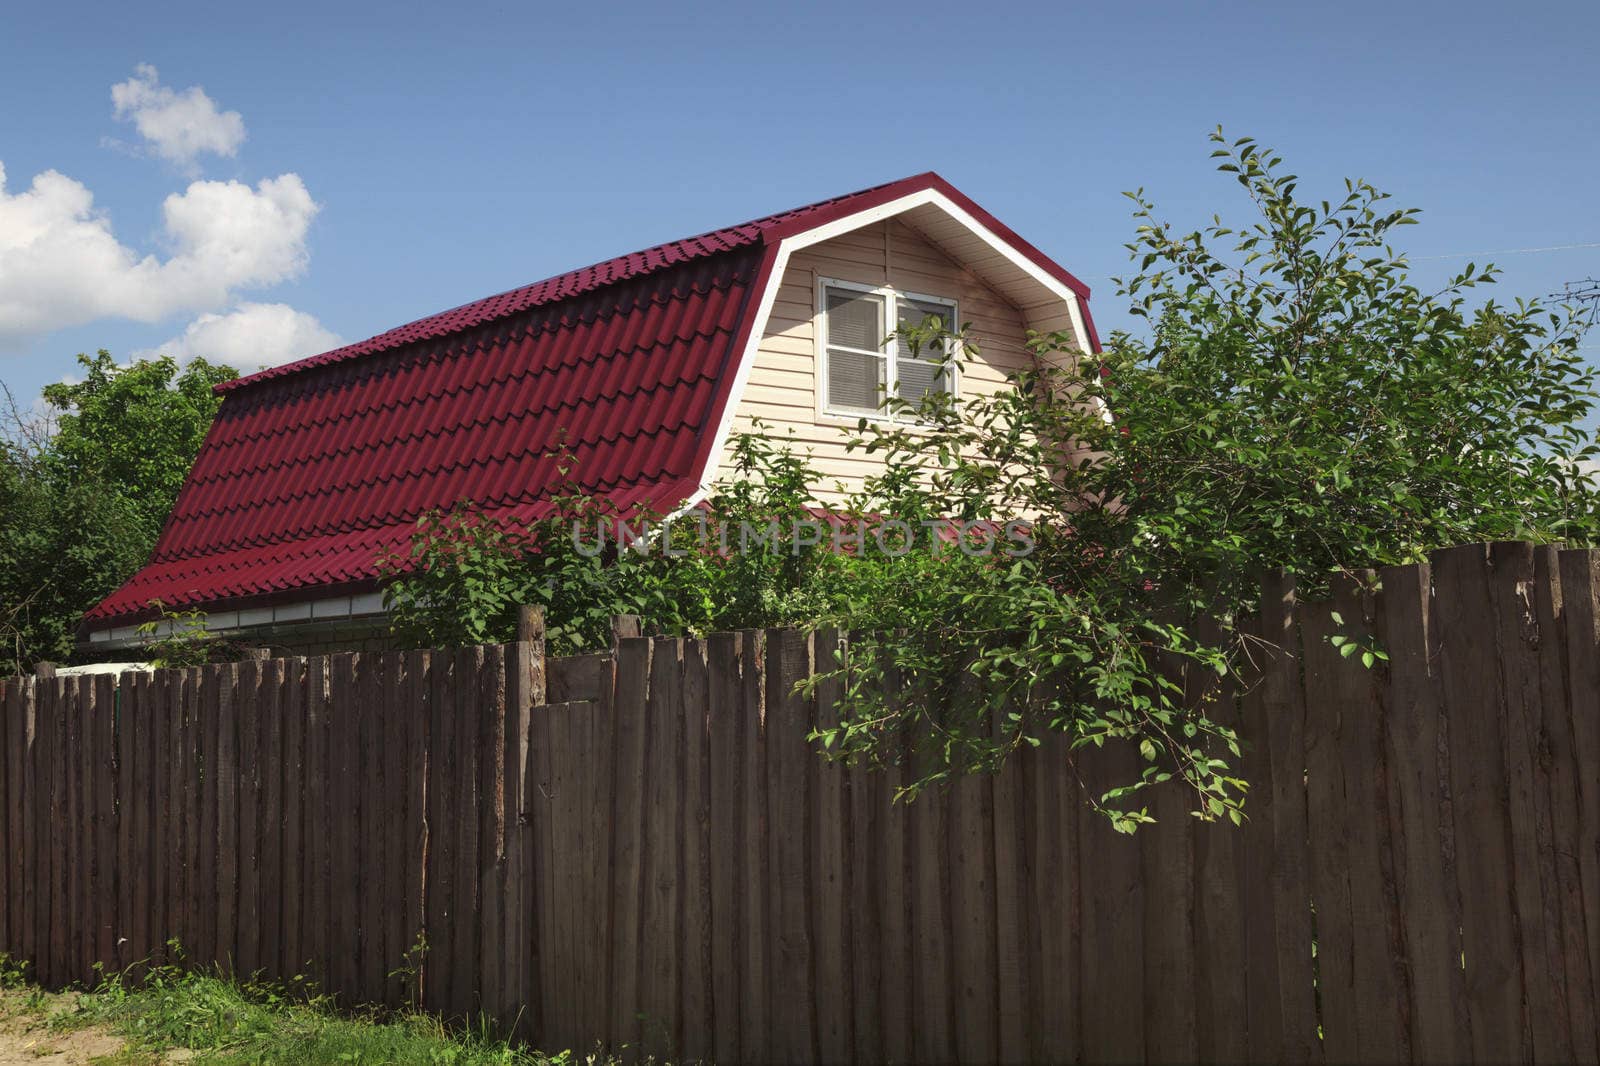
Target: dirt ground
(25, 1038)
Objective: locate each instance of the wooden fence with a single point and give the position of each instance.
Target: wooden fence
(641, 849)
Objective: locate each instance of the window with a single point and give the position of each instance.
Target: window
(863, 365)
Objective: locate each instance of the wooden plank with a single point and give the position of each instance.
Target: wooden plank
(1283, 710)
(525, 691)
(62, 725)
(973, 905)
(166, 847)
(1580, 582)
(375, 904)
(249, 713)
(789, 782)
(542, 870)
(415, 706)
(1012, 911)
(271, 883)
(1560, 771)
(492, 834)
(725, 720)
(442, 802)
(469, 902)
(599, 783)
(82, 873)
(754, 872)
(1223, 976)
(317, 824)
(830, 872)
(1170, 968)
(393, 719)
(559, 818)
(204, 877)
(1111, 966)
(39, 793)
(343, 829)
(568, 800)
(145, 869)
(1419, 789)
(80, 830)
(629, 722)
(896, 891)
(77, 695)
(1565, 609)
(181, 811)
(16, 706)
(1052, 800)
(1476, 712)
(696, 1025)
(295, 712)
(8, 851)
(107, 784)
(131, 700)
(1518, 640)
(866, 811)
(1330, 813)
(15, 709)
(1378, 972)
(660, 952)
(227, 802)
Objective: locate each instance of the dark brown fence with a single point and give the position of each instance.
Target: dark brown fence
(641, 849)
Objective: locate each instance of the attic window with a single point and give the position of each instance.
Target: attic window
(863, 364)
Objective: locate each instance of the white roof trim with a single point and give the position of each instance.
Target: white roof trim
(838, 227)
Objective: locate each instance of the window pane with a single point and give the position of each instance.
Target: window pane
(855, 381)
(919, 377)
(917, 312)
(923, 372)
(855, 319)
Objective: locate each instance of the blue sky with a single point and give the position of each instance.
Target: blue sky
(363, 165)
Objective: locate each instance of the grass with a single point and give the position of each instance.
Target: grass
(227, 1022)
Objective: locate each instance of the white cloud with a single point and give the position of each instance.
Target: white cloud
(61, 265)
(251, 336)
(179, 126)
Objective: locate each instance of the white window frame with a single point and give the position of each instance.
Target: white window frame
(890, 353)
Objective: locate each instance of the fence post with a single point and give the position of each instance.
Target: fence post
(520, 976)
(530, 630)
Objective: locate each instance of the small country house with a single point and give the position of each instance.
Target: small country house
(642, 367)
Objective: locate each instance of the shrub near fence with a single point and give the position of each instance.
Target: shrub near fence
(642, 849)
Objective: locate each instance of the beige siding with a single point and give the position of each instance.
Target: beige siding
(782, 388)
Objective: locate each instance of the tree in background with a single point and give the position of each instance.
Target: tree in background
(85, 487)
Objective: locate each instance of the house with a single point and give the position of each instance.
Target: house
(642, 367)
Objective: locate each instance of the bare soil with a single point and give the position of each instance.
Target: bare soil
(26, 1038)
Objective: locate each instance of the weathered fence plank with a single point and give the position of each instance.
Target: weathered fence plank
(1419, 793)
(1580, 593)
(725, 724)
(1111, 962)
(1480, 803)
(1559, 764)
(248, 935)
(696, 1024)
(627, 822)
(1517, 640)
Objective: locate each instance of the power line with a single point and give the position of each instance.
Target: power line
(1508, 251)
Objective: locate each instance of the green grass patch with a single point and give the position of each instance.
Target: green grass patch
(228, 1022)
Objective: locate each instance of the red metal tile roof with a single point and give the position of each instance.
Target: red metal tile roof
(315, 468)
